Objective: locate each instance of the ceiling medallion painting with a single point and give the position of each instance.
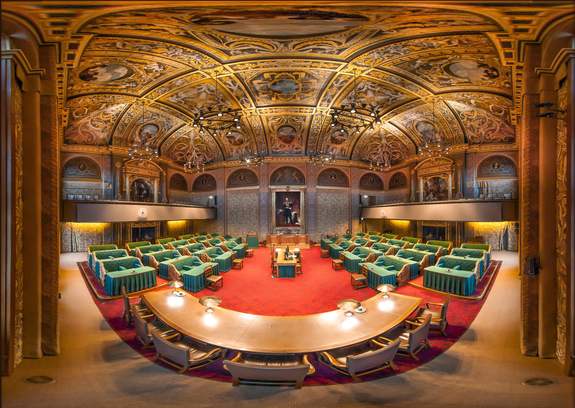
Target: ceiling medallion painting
(286, 134)
(285, 87)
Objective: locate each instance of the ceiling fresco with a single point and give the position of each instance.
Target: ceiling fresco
(143, 74)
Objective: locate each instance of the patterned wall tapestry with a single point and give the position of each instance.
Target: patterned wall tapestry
(287, 176)
(77, 237)
(332, 213)
(242, 178)
(243, 213)
(333, 178)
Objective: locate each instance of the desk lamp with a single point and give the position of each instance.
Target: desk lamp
(385, 288)
(176, 284)
(210, 302)
(348, 305)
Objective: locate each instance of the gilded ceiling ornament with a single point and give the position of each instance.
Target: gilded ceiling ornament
(282, 87)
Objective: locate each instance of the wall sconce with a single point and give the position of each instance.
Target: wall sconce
(560, 113)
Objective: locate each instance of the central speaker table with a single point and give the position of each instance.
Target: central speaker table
(278, 334)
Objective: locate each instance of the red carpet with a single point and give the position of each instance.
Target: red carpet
(251, 290)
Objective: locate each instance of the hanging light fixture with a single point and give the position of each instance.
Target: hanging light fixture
(217, 120)
(434, 145)
(251, 160)
(321, 158)
(142, 150)
(194, 161)
(385, 153)
(354, 117)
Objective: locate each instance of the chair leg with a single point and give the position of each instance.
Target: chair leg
(235, 381)
(298, 384)
(393, 366)
(156, 357)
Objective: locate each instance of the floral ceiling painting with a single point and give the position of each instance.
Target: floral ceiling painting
(144, 75)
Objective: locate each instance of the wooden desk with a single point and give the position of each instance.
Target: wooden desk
(288, 239)
(278, 334)
(286, 267)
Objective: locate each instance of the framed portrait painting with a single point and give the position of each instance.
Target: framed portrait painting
(288, 209)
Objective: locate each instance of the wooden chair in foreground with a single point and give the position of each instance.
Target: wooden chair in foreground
(130, 309)
(438, 315)
(377, 358)
(269, 369)
(213, 282)
(143, 328)
(183, 355)
(359, 280)
(413, 341)
(237, 263)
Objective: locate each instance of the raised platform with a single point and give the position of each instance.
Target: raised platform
(283, 240)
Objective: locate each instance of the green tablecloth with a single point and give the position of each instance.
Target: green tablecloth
(377, 276)
(351, 262)
(194, 280)
(334, 251)
(133, 279)
(456, 282)
(252, 241)
(325, 243)
(286, 270)
(224, 261)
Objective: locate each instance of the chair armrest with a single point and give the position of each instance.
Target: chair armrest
(377, 343)
(385, 338)
(210, 353)
(233, 360)
(435, 304)
(331, 359)
(412, 323)
(311, 367)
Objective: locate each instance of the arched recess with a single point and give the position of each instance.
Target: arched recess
(397, 180)
(287, 176)
(205, 182)
(178, 182)
(332, 177)
(81, 167)
(497, 167)
(242, 178)
(370, 181)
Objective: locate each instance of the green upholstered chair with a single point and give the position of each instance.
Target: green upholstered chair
(422, 258)
(446, 245)
(142, 250)
(165, 241)
(412, 240)
(131, 246)
(399, 243)
(96, 256)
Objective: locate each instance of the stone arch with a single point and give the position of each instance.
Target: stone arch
(333, 177)
(242, 178)
(81, 167)
(287, 175)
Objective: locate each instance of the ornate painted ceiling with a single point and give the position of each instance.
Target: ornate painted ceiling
(142, 73)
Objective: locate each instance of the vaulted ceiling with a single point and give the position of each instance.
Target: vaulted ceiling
(144, 73)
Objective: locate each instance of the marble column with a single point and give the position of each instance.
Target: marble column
(155, 190)
(127, 187)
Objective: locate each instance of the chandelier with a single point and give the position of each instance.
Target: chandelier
(434, 146)
(194, 160)
(321, 158)
(216, 119)
(251, 160)
(384, 154)
(354, 117)
(141, 148)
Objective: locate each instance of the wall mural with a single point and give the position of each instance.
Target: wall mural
(370, 181)
(287, 176)
(81, 167)
(397, 180)
(384, 148)
(204, 182)
(92, 121)
(332, 177)
(497, 166)
(142, 190)
(178, 182)
(435, 189)
(242, 178)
